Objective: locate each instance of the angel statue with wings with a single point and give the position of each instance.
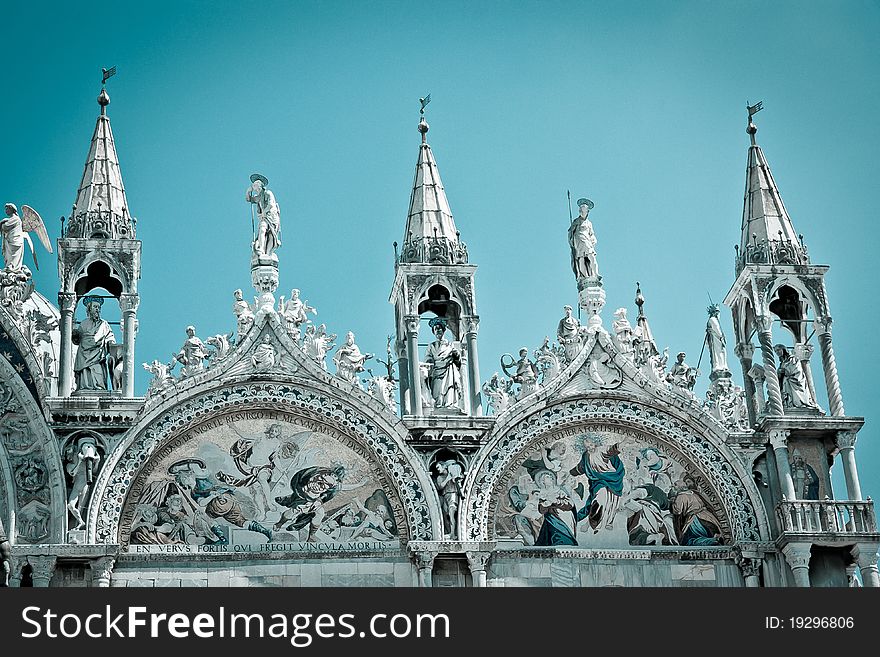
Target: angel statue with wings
(16, 230)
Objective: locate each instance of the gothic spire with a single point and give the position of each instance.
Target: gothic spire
(101, 209)
(430, 235)
(768, 235)
(642, 327)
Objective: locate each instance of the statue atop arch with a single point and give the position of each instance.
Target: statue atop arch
(268, 237)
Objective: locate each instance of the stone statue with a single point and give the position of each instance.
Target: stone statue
(382, 388)
(82, 459)
(717, 344)
(444, 368)
(15, 232)
(13, 239)
(93, 337)
(448, 480)
(264, 356)
(602, 371)
(582, 240)
(349, 360)
(221, 343)
(498, 393)
(243, 314)
(681, 375)
(295, 313)
(547, 360)
(161, 376)
(526, 374)
(623, 331)
(568, 332)
(269, 231)
(727, 402)
(192, 354)
(758, 377)
(316, 343)
(5, 556)
(792, 380)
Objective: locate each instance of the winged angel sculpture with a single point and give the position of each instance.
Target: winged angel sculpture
(16, 231)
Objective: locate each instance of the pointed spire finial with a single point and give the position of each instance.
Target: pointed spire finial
(752, 129)
(423, 125)
(640, 299)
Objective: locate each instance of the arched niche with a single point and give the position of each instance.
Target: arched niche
(220, 438)
(692, 448)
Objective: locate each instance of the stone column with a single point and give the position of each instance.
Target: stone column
(745, 351)
(765, 338)
(464, 403)
(866, 556)
(798, 557)
(779, 441)
(472, 325)
(42, 569)
(128, 304)
(846, 442)
(403, 375)
(477, 562)
(829, 365)
(102, 569)
(16, 563)
(412, 351)
(751, 570)
(756, 375)
(67, 304)
(851, 575)
(425, 564)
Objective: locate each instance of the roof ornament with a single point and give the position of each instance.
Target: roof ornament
(753, 109)
(640, 299)
(423, 125)
(104, 98)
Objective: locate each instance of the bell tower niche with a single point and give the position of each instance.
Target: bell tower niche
(99, 258)
(433, 297)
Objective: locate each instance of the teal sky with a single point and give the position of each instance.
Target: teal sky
(638, 105)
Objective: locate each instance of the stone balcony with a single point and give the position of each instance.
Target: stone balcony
(831, 522)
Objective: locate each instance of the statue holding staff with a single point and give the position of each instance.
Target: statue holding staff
(268, 237)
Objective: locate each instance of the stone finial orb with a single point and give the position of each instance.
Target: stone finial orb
(103, 98)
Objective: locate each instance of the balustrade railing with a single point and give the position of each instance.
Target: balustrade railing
(827, 516)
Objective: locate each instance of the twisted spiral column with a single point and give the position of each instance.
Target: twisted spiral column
(829, 365)
(774, 393)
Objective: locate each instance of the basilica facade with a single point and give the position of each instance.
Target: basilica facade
(269, 456)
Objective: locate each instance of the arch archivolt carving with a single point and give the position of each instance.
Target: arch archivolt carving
(699, 444)
(175, 423)
(34, 479)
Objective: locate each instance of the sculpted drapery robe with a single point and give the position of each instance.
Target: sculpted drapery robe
(13, 242)
(90, 366)
(444, 375)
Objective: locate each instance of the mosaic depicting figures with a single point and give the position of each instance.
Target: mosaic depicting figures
(607, 489)
(250, 479)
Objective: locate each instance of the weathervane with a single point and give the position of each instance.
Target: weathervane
(754, 109)
(751, 129)
(424, 101)
(106, 74)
